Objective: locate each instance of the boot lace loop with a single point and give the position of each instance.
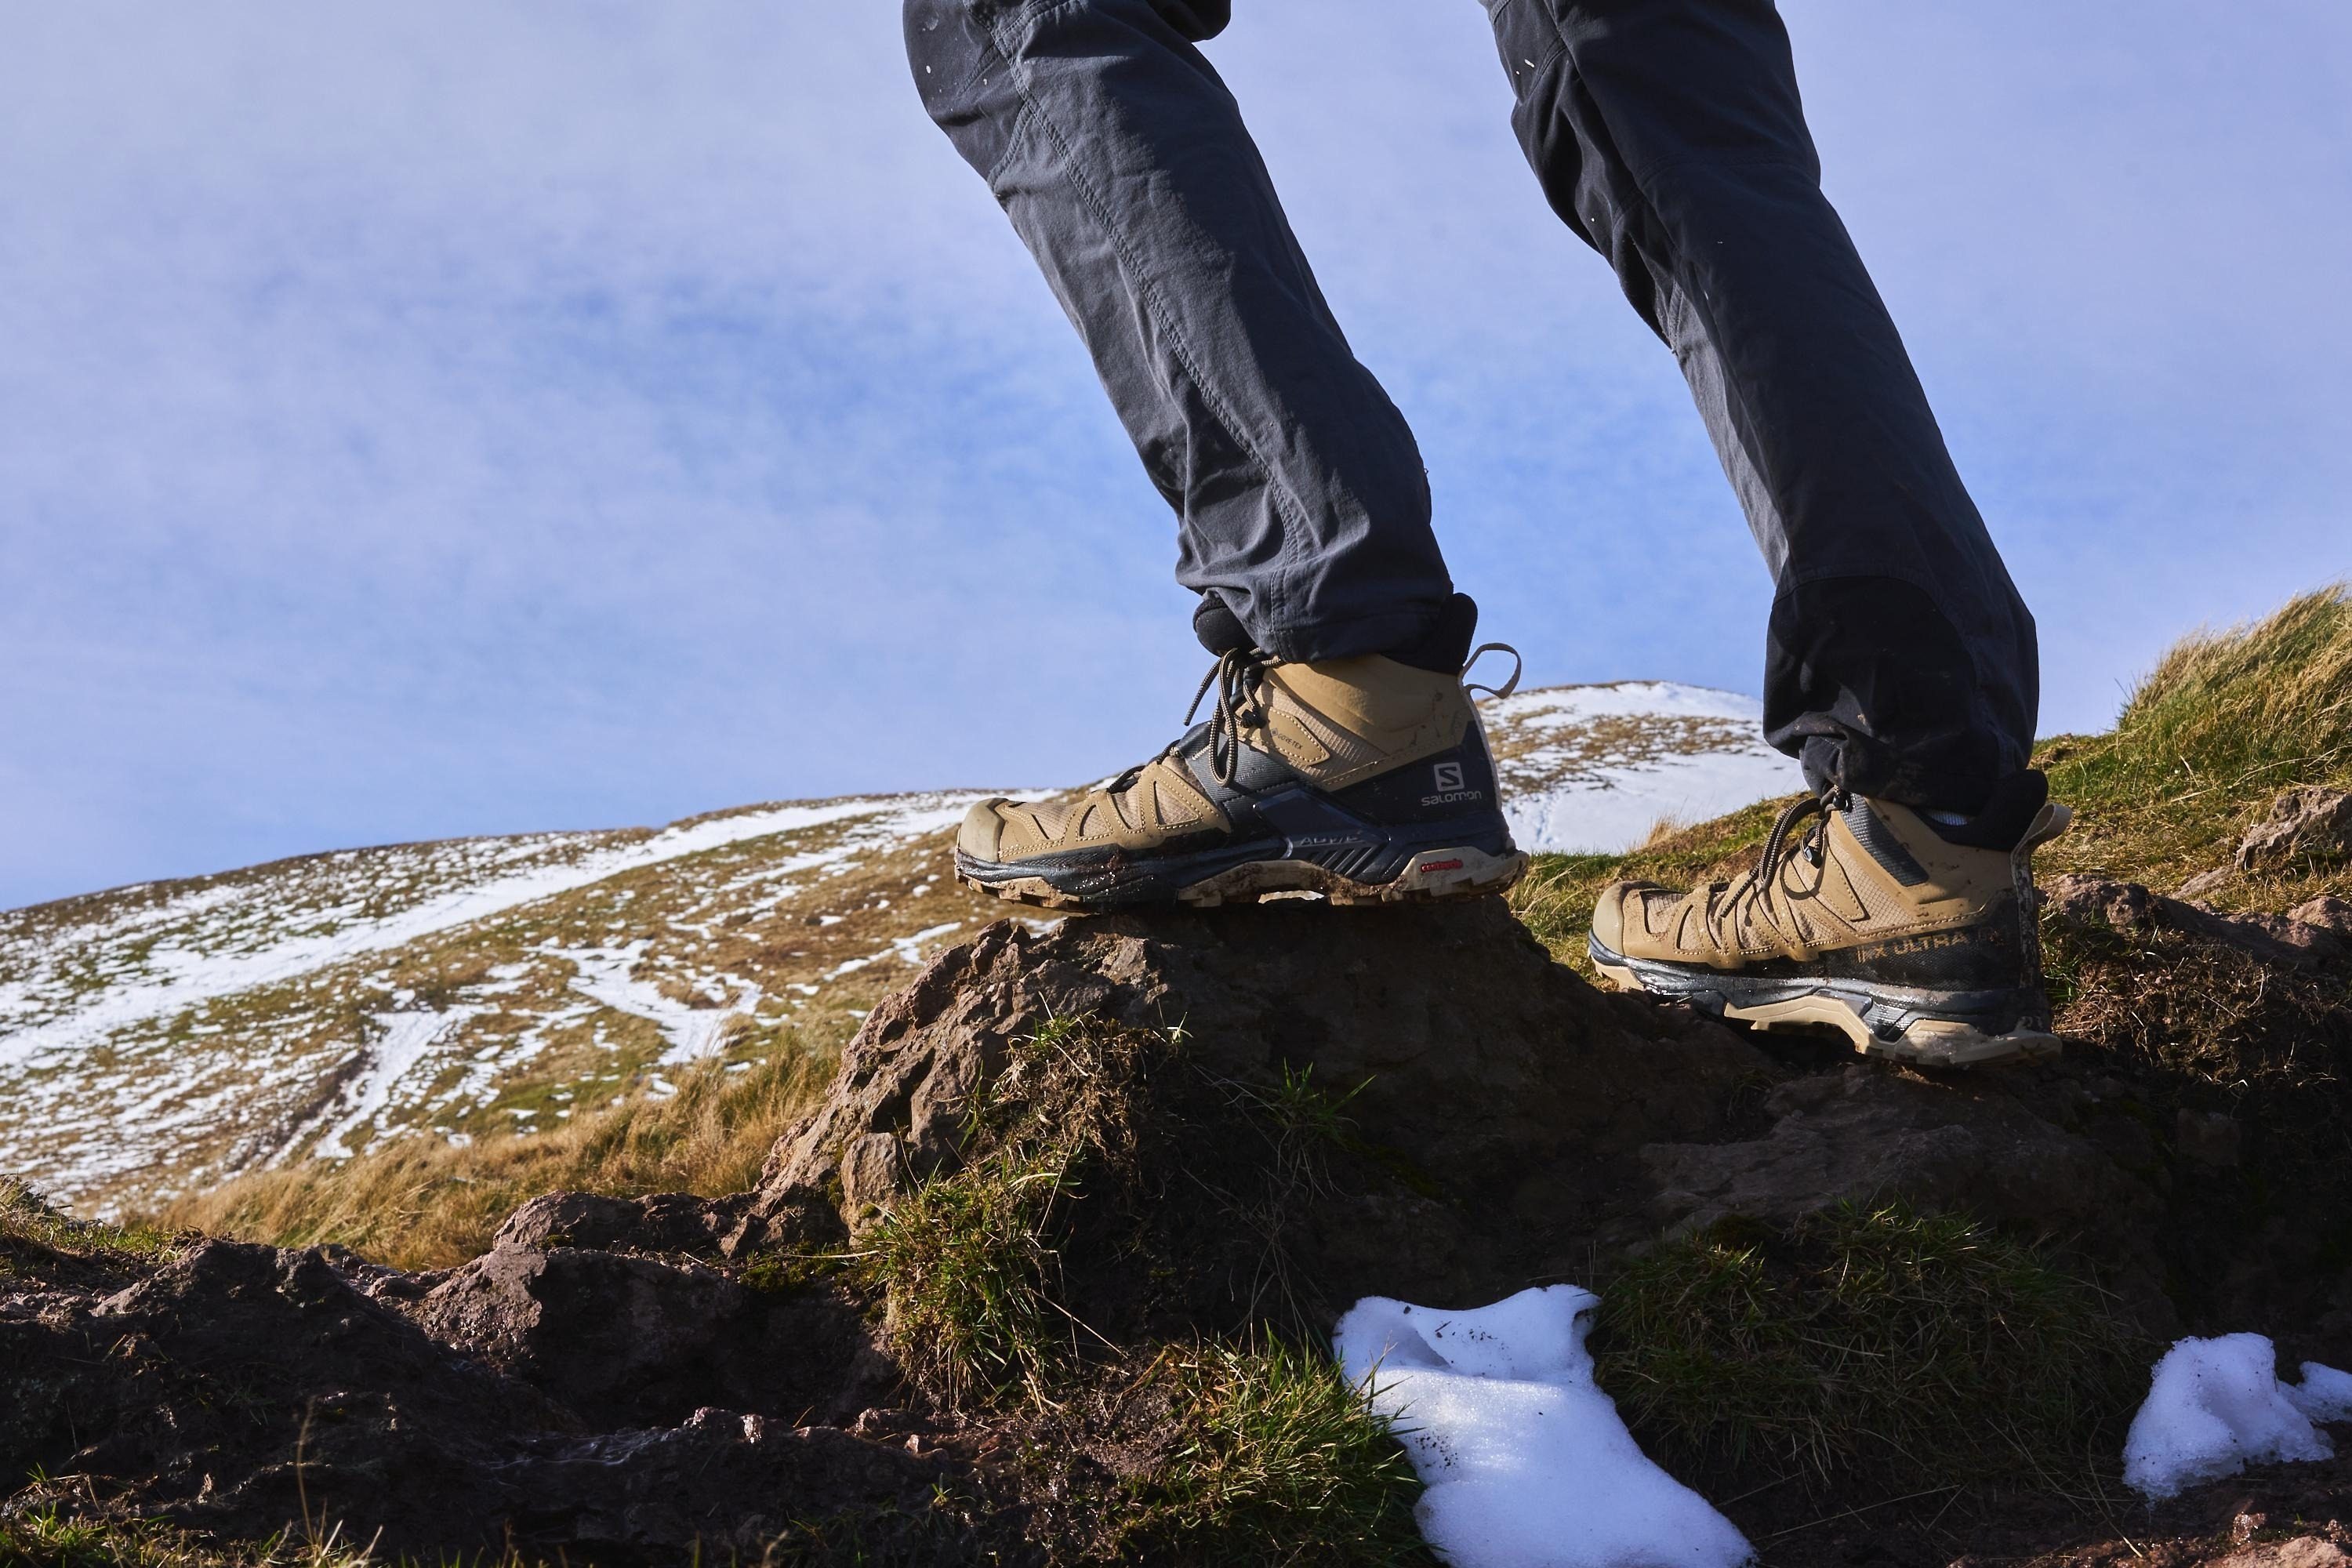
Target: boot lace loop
(1239, 677)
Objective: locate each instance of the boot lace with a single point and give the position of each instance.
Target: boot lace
(1748, 899)
(1239, 677)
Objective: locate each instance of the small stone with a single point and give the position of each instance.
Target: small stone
(2302, 1551)
(2327, 911)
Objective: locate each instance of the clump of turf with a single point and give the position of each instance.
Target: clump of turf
(1100, 1278)
(1869, 1346)
(1280, 1463)
(39, 1241)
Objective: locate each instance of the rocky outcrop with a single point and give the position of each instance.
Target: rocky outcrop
(2313, 934)
(2309, 825)
(1514, 1094)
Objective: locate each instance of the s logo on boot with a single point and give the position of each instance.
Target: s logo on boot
(1450, 789)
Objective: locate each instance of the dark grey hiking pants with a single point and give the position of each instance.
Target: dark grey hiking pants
(1668, 134)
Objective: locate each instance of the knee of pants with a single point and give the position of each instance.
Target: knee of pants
(961, 77)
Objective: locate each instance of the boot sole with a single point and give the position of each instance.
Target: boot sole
(1916, 1028)
(1434, 875)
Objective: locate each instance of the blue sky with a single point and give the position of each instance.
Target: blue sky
(442, 418)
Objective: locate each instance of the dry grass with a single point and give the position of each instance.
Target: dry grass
(421, 1203)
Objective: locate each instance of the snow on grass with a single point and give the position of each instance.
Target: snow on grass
(158, 1038)
(201, 961)
(2215, 1406)
(1591, 769)
(1526, 1461)
(406, 1041)
(905, 949)
(607, 976)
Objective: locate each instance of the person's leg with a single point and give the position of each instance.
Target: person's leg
(1123, 162)
(1669, 135)
(1341, 755)
(1900, 663)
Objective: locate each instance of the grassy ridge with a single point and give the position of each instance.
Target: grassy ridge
(2225, 721)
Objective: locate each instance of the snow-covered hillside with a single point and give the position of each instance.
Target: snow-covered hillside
(156, 1039)
(1592, 769)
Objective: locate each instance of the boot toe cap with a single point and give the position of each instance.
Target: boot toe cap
(1621, 917)
(1609, 916)
(982, 830)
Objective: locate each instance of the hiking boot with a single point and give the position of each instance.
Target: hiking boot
(1364, 780)
(1914, 935)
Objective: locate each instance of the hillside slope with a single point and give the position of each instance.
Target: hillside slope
(157, 1040)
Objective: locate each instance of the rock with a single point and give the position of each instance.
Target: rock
(2207, 1137)
(1866, 1135)
(1515, 1091)
(2286, 940)
(627, 1341)
(244, 1392)
(661, 1221)
(2205, 884)
(2328, 912)
(2308, 823)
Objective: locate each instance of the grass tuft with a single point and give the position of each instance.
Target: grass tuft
(28, 1222)
(968, 1262)
(1868, 1345)
(1284, 1464)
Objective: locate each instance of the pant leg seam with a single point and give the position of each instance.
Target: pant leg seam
(1286, 505)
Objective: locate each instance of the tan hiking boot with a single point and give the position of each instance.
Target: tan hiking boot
(1914, 938)
(1364, 780)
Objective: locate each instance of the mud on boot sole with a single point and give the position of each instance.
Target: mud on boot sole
(1914, 1027)
(1433, 875)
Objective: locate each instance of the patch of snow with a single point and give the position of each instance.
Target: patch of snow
(602, 974)
(405, 1040)
(2215, 1406)
(1527, 1463)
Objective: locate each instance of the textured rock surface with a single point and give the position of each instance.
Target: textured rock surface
(2306, 823)
(2316, 934)
(1517, 1093)
(1866, 1134)
(628, 1340)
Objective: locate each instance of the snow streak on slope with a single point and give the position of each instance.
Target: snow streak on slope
(157, 1038)
(1592, 769)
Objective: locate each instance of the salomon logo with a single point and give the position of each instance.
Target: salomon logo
(1450, 790)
